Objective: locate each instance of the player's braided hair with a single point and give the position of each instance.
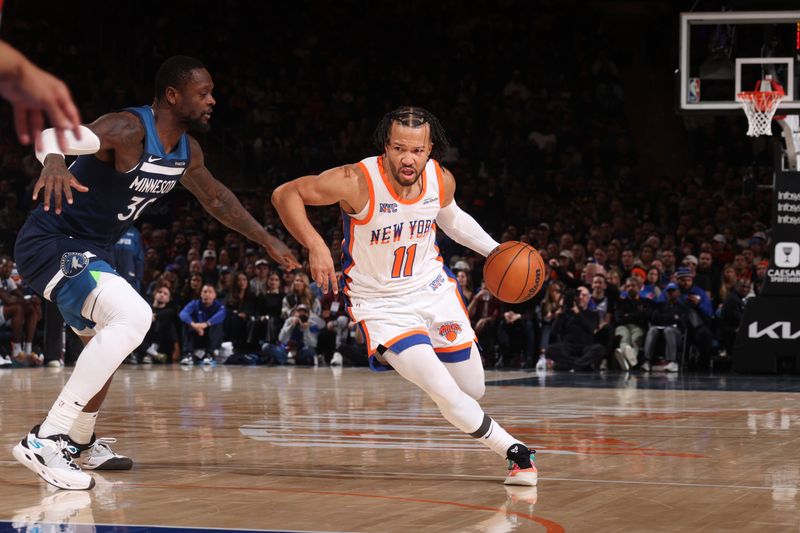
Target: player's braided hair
(413, 117)
(175, 72)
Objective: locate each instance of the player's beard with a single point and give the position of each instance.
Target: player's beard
(197, 125)
(406, 182)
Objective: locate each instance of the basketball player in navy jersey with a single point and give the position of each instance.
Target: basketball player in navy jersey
(126, 161)
(405, 301)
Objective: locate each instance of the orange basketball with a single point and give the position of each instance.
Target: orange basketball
(514, 272)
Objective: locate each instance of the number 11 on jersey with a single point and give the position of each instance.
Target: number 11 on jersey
(404, 261)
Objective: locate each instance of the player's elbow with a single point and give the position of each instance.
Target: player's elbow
(278, 197)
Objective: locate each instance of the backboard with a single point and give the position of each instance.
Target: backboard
(724, 53)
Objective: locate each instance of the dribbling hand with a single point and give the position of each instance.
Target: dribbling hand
(57, 181)
(322, 270)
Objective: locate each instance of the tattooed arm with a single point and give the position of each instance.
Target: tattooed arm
(115, 139)
(223, 205)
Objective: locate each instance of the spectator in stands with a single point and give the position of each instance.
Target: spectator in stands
(464, 281)
(191, 291)
(758, 243)
(484, 312)
(273, 303)
(258, 285)
(668, 322)
(700, 315)
(631, 315)
(203, 327)
(297, 339)
(209, 270)
(22, 313)
(337, 324)
(651, 289)
(129, 258)
(245, 322)
(731, 315)
(727, 285)
(760, 276)
(742, 268)
(225, 285)
(547, 311)
(300, 294)
(668, 266)
(515, 335)
(604, 304)
(627, 263)
(706, 274)
(646, 256)
(161, 344)
(574, 328)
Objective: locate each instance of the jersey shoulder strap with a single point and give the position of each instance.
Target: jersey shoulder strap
(152, 144)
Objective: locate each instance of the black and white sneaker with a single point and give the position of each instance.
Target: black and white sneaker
(98, 455)
(521, 466)
(52, 459)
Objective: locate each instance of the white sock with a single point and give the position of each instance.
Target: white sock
(83, 428)
(419, 365)
(16, 348)
(122, 319)
(492, 434)
(62, 415)
(28, 347)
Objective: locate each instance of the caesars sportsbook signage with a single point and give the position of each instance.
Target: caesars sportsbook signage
(768, 339)
(783, 275)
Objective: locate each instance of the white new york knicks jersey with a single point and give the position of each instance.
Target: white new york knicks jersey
(389, 248)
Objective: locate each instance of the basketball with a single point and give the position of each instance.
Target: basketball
(514, 272)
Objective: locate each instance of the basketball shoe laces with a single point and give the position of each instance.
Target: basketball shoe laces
(67, 450)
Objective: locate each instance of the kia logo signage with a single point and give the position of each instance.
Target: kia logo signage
(776, 330)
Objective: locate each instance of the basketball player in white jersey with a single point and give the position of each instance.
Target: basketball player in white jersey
(399, 291)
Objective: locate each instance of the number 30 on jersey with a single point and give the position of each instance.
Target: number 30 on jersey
(134, 208)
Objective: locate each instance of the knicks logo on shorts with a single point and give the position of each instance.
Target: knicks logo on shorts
(73, 263)
(450, 330)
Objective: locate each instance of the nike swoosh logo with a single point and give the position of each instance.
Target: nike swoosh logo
(152, 159)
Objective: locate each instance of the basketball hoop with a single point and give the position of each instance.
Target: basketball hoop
(760, 106)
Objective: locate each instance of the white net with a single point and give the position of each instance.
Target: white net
(760, 107)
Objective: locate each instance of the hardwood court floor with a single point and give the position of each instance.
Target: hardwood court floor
(350, 450)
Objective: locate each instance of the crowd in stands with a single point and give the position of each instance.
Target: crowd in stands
(541, 150)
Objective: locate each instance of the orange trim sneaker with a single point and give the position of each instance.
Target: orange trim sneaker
(521, 466)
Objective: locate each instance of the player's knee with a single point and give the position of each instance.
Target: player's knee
(120, 306)
(140, 318)
(475, 390)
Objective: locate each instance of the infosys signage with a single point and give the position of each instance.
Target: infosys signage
(783, 274)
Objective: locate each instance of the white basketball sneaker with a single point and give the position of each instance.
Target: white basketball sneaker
(51, 458)
(98, 455)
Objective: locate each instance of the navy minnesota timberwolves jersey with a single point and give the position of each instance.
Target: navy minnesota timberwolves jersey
(115, 199)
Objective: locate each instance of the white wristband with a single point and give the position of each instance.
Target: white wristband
(89, 143)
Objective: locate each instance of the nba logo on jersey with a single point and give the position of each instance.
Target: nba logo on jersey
(73, 263)
(388, 208)
(450, 330)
